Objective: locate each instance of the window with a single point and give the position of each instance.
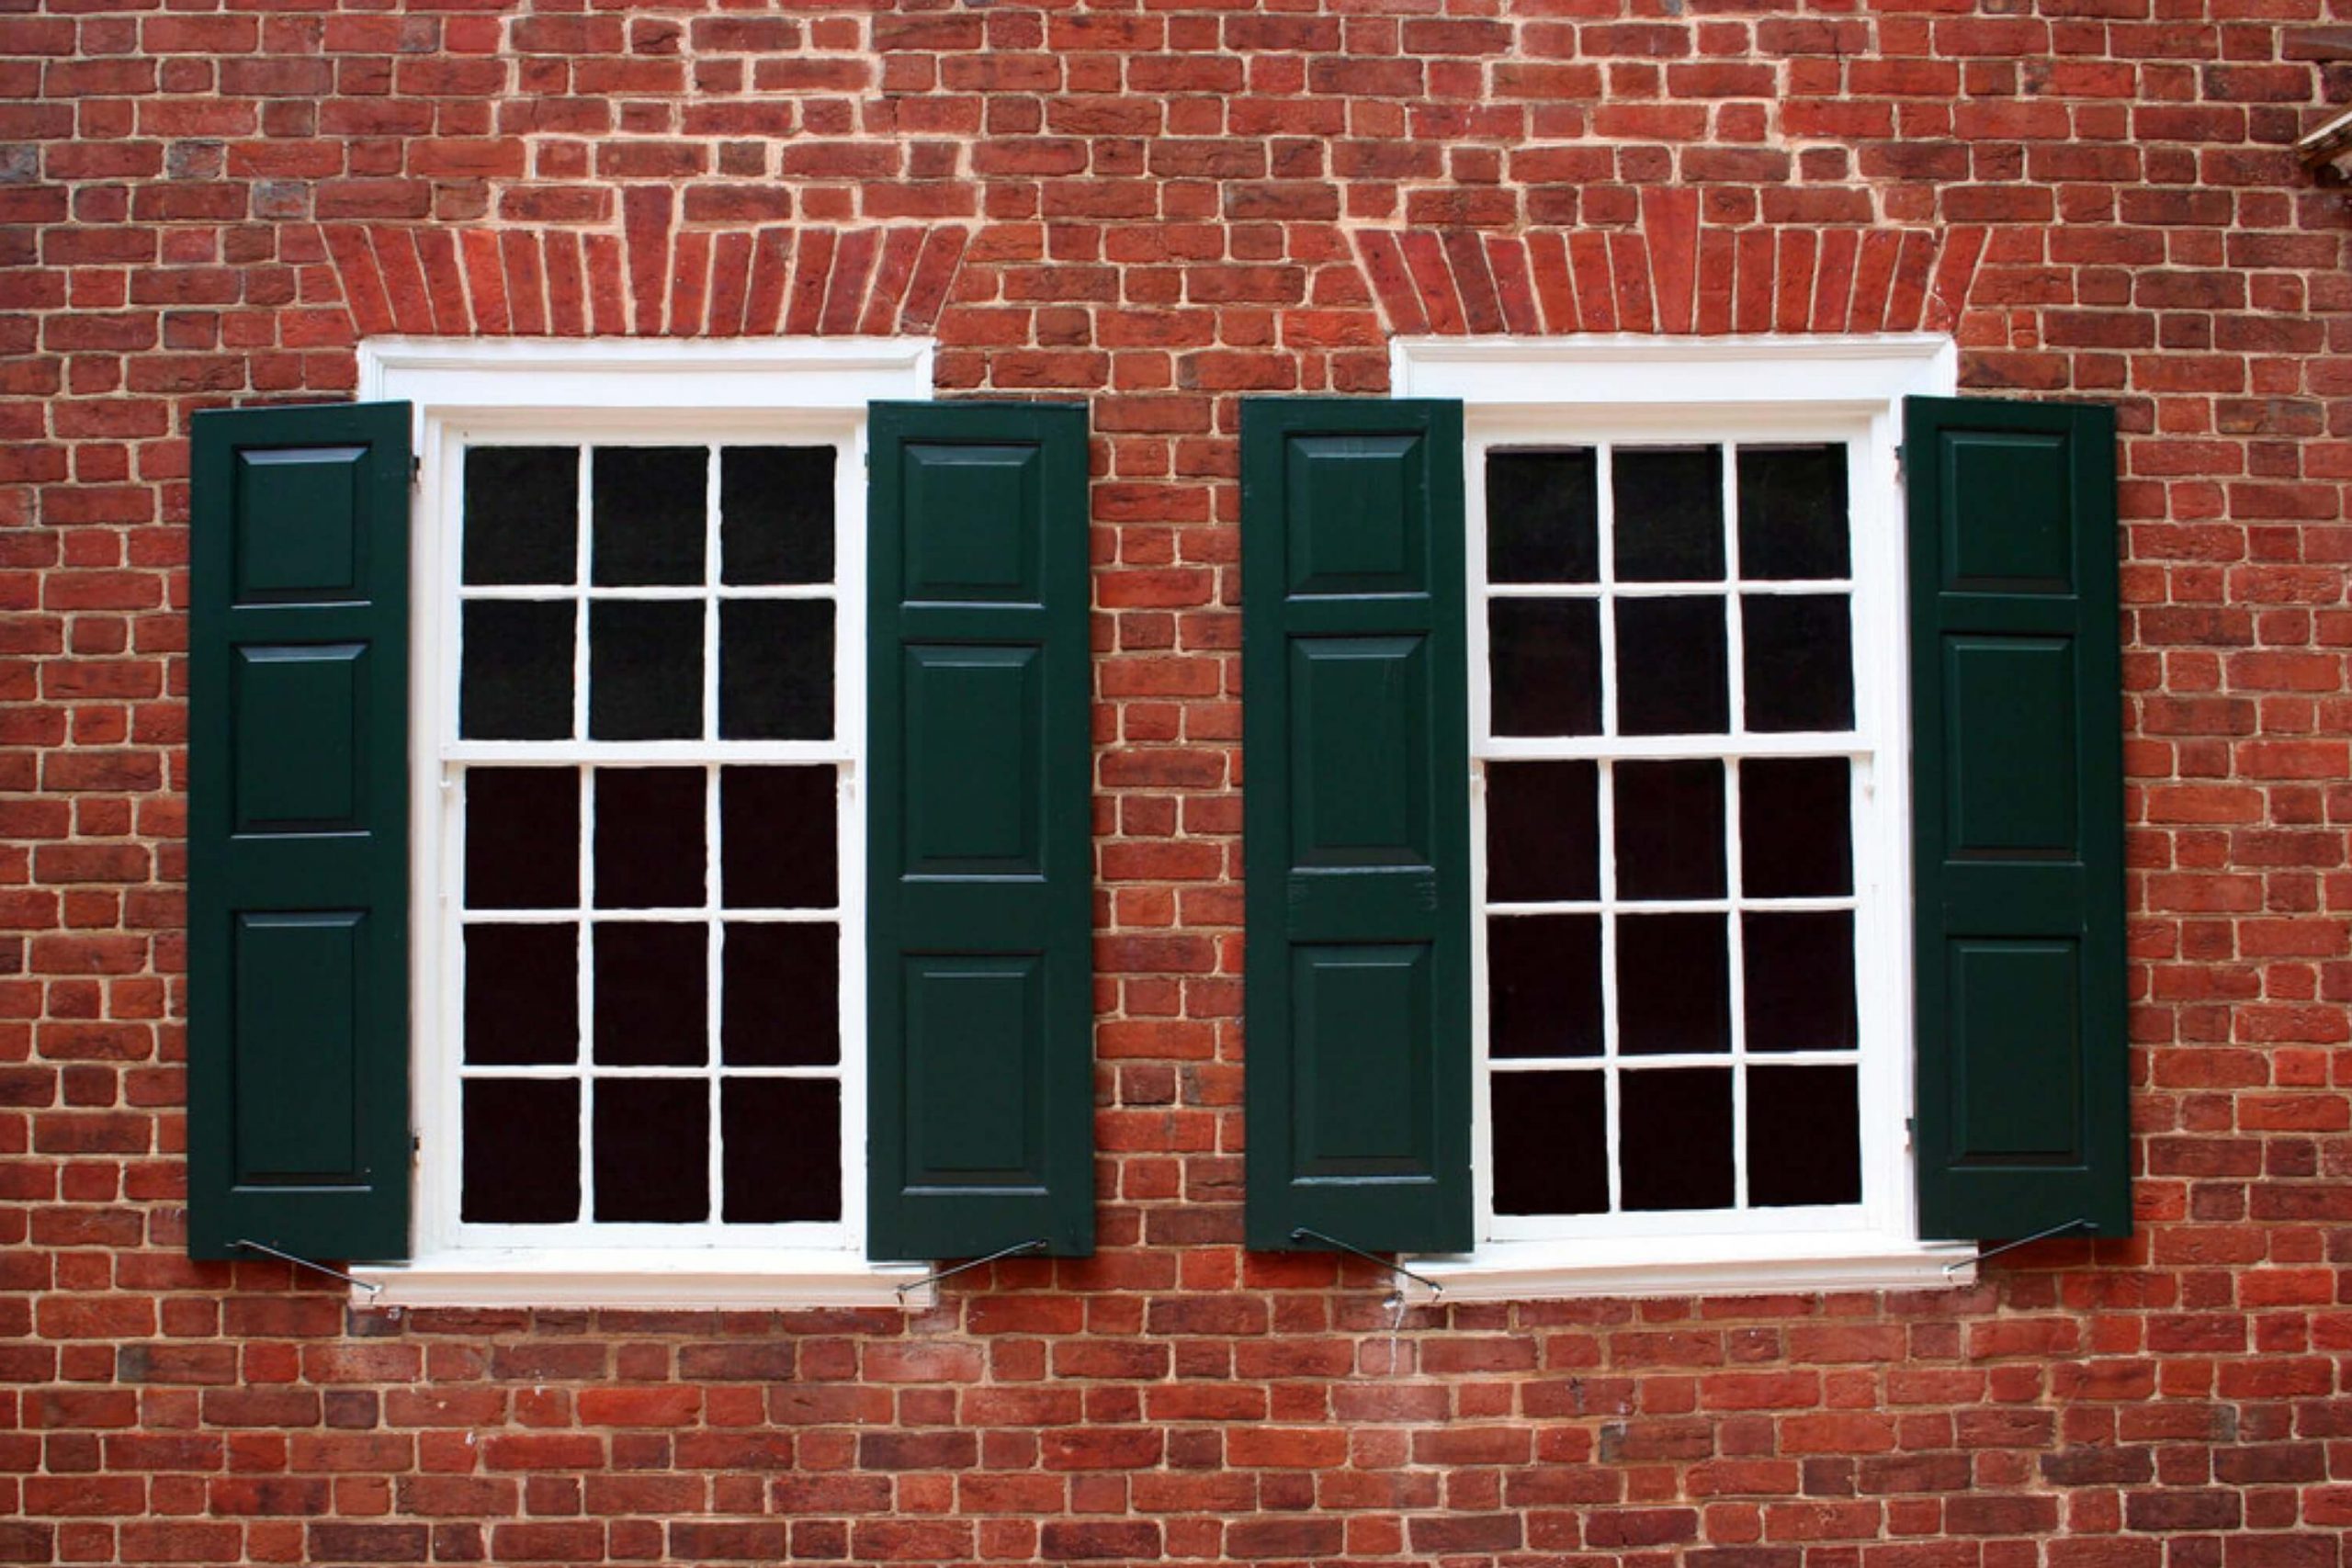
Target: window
(663, 823)
(639, 661)
(1670, 1043)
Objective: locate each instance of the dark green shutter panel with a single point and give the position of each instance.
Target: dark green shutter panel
(2018, 809)
(298, 832)
(1356, 816)
(981, 849)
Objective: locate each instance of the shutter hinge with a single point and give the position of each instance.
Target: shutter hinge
(1898, 464)
(415, 471)
(1910, 1132)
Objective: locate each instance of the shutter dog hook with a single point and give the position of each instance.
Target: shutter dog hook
(368, 1286)
(1951, 1269)
(1301, 1233)
(1035, 1244)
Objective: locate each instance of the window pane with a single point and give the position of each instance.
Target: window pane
(522, 839)
(522, 996)
(652, 1001)
(1671, 666)
(1543, 832)
(522, 522)
(777, 838)
(649, 838)
(1670, 829)
(1805, 1136)
(1796, 833)
(782, 1158)
(1673, 984)
(652, 1138)
(1551, 1142)
(1544, 517)
(644, 671)
(779, 1005)
(1799, 994)
(1798, 652)
(776, 670)
(516, 682)
(1669, 512)
(1674, 1139)
(649, 505)
(1543, 656)
(1544, 985)
(776, 515)
(1793, 512)
(521, 1152)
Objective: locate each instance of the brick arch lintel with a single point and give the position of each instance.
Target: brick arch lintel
(649, 279)
(1671, 275)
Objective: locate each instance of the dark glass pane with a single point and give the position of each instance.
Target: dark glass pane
(522, 996)
(644, 671)
(1669, 508)
(1805, 1136)
(522, 839)
(1793, 512)
(651, 1004)
(1674, 1139)
(1799, 994)
(652, 1149)
(1544, 517)
(1798, 650)
(521, 1152)
(1550, 1144)
(522, 514)
(776, 515)
(776, 670)
(1671, 666)
(1543, 656)
(649, 838)
(782, 1154)
(1544, 985)
(780, 1004)
(1670, 829)
(1543, 832)
(517, 680)
(1797, 836)
(778, 839)
(648, 504)
(1673, 984)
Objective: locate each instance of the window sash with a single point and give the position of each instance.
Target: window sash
(1873, 589)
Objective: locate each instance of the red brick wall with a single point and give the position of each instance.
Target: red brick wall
(1161, 205)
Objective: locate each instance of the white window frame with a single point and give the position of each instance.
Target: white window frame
(1520, 392)
(581, 392)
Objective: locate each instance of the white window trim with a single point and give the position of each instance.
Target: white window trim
(630, 390)
(1631, 388)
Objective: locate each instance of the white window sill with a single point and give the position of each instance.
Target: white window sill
(648, 1279)
(1688, 1266)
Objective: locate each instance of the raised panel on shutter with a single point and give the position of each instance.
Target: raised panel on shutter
(2017, 793)
(1356, 814)
(980, 870)
(298, 832)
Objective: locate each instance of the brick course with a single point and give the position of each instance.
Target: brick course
(1162, 206)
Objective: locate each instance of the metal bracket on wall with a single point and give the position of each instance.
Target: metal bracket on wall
(1302, 1234)
(306, 1263)
(1951, 1269)
(1035, 1244)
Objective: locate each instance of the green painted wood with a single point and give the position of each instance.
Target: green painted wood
(1356, 819)
(979, 838)
(2018, 816)
(298, 832)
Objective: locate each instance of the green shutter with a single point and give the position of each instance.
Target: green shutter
(298, 832)
(981, 849)
(1356, 816)
(2018, 816)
